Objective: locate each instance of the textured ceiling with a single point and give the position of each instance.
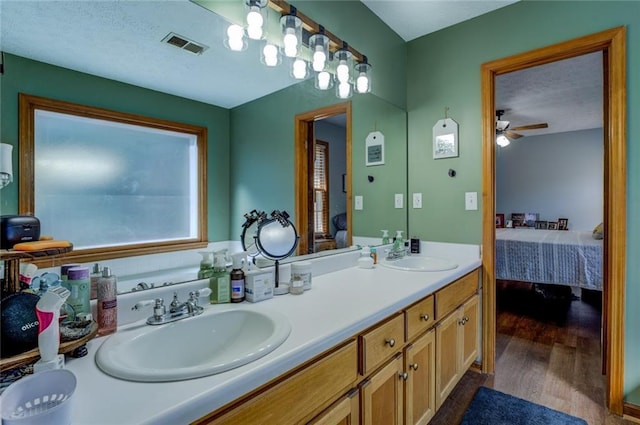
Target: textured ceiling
(121, 40)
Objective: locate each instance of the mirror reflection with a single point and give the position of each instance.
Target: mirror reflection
(251, 162)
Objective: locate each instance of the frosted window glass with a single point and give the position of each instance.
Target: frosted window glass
(100, 183)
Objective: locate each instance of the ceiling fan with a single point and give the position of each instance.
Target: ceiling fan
(503, 133)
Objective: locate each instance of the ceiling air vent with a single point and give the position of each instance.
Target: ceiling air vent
(184, 43)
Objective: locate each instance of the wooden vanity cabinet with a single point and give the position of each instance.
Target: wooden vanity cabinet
(383, 394)
(420, 385)
(456, 347)
(346, 411)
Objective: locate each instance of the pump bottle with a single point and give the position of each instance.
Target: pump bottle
(219, 281)
(107, 303)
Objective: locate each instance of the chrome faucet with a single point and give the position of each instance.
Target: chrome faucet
(397, 251)
(177, 310)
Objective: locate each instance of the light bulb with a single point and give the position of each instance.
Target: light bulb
(502, 141)
(344, 90)
(299, 69)
(362, 83)
(254, 23)
(290, 43)
(270, 53)
(342, 72)
(319, 59)
(324, 80)
(234, 33)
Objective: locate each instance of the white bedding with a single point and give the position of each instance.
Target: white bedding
(549, 256)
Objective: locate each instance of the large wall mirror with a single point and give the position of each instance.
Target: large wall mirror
(250, 146)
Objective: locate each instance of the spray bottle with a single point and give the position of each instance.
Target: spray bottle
(237, 277)
(219, 281)
(48, 312)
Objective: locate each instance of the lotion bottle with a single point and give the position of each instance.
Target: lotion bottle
(365, 261)
(107, 303)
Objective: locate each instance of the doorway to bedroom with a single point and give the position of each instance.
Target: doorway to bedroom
(561, 377)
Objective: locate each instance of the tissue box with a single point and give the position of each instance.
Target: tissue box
(259, 285)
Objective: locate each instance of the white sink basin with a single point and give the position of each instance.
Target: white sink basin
(420, 264)
(213, 342)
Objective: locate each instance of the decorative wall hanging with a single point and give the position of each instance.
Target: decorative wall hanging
(375, 149)
(445, 138)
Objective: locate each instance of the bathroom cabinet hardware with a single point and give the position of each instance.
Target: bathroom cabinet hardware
(390, 341)
(413, 366)
(403, 375)
(424, 317)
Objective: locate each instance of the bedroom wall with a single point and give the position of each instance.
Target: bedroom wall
(444, 70)
(336, 137)
(555, 175)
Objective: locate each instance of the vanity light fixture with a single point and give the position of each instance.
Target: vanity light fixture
(319, 45)
(344, 90)
(363, 77)
(291, 27)
(255, 18)
(344, 63)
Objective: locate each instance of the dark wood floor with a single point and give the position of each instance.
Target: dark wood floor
(547, 352)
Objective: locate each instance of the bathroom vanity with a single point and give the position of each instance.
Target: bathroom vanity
(358, 335)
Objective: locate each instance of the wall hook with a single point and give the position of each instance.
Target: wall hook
(452, 172)
(370, 178)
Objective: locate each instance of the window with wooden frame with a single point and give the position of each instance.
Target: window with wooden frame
(321, 188)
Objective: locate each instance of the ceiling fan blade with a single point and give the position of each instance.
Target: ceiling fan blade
(531, 126)
(512, 135)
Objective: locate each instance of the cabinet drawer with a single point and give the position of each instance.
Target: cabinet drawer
(453, 295)
(419, 317)
(381, 343)
(299, 396)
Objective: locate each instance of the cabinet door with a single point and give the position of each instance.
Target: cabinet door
(447, 356)
(420, 388)
(382, 395)
(345, 411)
(470, 321)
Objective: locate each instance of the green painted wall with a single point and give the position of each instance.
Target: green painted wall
(40, 79)
(444, 70)
(263, 156)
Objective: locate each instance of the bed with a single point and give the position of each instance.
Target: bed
(549, 257)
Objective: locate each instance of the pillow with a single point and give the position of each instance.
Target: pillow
(598, 232)
(340, 221)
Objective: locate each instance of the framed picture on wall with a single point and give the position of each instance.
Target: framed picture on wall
(553, 225)
(542, 224)
(499, 221)
(517, 219)
(563, 224)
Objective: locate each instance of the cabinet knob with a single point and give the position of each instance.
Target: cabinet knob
(390, 341)
(403, 375)
(461, 322)
(424, 317)
(413, 366)
(466, 319)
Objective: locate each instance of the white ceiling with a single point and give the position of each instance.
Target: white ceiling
(121, 40)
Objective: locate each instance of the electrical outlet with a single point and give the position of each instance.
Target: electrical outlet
(358, 202)
(417, 200)
(399, 201)
(471, 201)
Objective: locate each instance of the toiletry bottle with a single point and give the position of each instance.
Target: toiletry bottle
(385, 237)
(398, 241)
(237, 278)
(93, 277)
(219, 281)
(374, 255)
(365, 261)
(107, 303)
(79, 284)
(48, 312)
(206, 265)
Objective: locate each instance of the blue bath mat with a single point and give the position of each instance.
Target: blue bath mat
(491, 407)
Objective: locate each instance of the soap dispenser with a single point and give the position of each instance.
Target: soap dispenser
(219, 280)
(398, 242)
(385, 237)
(206, 265)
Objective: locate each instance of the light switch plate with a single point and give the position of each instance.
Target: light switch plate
(399, 201)
(358, 201)
(417, 200)
(471, 201)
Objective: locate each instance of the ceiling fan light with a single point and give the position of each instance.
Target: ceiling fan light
(502, 140)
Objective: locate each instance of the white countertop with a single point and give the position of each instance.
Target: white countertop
(340, 304)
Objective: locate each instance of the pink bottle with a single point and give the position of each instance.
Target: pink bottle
(107, 303)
